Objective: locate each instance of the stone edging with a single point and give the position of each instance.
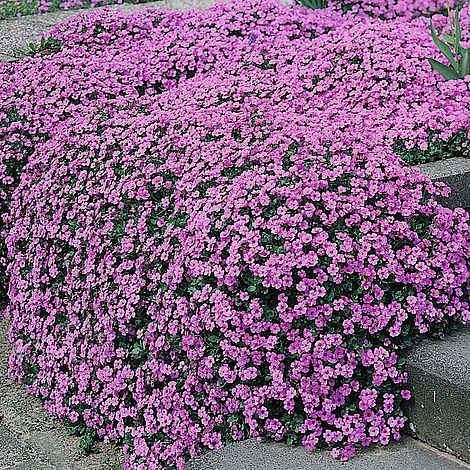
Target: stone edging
(455, 172)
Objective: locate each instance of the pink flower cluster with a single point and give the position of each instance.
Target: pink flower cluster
(377, 8)
(210, 234)
(389, 9)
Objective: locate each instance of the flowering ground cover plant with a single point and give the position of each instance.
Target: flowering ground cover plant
(382, 8)
(12, 8)
(212, 230)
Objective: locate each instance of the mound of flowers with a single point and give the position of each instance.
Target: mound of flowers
(212, 230)
(377, 8)
(355, 76)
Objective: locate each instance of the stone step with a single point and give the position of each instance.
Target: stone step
(439, 371)
(252, 455)
(455, 173)
(439, 376)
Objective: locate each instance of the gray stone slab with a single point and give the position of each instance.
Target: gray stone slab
(18, 34)
(455, 172)
(251, 455)
(439, 411)
(448, 359)
(17, 454)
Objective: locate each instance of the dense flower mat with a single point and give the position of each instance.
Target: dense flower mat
(212, 228)
(382, 8)
(12, 8)
(385, 8)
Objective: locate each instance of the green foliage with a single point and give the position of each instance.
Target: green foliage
(87, 442)
(438, 149)
(88, 436)
(30, 373)
(313, 4)
(12, 8)
(457, 55)
(45, 47)
(116, 466)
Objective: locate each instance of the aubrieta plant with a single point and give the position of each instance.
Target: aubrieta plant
(193, 257)
(459, 57)
(14, 8)
(386, 9)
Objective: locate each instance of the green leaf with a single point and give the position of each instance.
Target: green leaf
(457, 30)
(314, 4)
(465, 64)
(446, 72)
(449, 39)
(444, 48)
(213, 339)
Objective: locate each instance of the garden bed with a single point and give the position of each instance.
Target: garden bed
(15, 8)
(214, 228)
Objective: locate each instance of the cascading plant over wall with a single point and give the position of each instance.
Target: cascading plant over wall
(210, 235)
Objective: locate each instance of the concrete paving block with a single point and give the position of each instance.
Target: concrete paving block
(439, 377)
(455, 172)
(252, 455)
(16, 454)
(18, 34)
